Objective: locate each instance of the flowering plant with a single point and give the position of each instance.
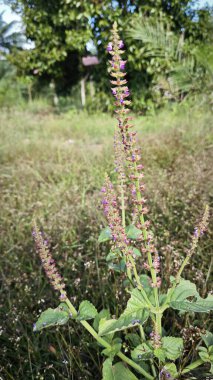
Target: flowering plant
(153, 354)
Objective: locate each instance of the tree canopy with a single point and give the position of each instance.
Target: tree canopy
(63, 31)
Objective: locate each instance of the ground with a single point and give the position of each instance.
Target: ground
(52, 168)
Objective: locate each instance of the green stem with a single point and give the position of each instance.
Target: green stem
(135, 366)
(107, 345)
(158, 322)
(144, 231)
(139, 283)
(191, 367)
(142, 334)
(129, 274)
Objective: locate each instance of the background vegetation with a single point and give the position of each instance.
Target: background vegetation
(54, 154)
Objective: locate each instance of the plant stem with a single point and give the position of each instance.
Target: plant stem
(129, 274)
(142, 334)
(192, 366)
(135, 366)
(107, 345)
(158, 322)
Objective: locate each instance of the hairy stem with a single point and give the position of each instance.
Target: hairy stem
(107, 345)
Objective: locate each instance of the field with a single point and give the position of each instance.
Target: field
(52, 168)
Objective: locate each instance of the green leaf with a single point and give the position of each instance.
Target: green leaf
(136, 251)
(86, 311)
(133, 339)
(204, 356)
(119, 267)
(207, 338)
(135, 313)
(103, 314)
(142, 352)
(160, 353)
(173, 347)
(105, 235)
(187, 289)
(171, 368)
(184, 290)
(133, 232)
(117, 371)
(112, 255)
(52, 317)
(114, 349)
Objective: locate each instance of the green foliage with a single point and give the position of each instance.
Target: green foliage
(86, 311)
(172, 346)
(116, 372)
(133, 232)
(114, 349)
(64, 31)
(52, 317)
(136, 313)
(185, 290)
(105, 235)
(142, 352)
(173, 58)
(9, 39)
(171, 368)
(66, 177)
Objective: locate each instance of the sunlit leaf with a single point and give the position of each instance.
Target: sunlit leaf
(173, 347)
(86, 311)
(52, 317)
(105, 235)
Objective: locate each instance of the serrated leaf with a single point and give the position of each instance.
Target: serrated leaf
(160, 354)
(135, 313)
(207, 338)
(52, 317)
(171, 369)
(103, 314)
(86, 311)
(142, 352)
(133, 232)
(201, 305)
(105, 235)
(117, 371)
(173, 347)
(185, 290)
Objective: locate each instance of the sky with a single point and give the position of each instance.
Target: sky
(11, 16)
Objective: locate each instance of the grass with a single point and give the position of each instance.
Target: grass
(52, 166)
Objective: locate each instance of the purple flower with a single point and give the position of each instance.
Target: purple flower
(121, 101)
(114, 91)
(109, 47)
(122, 65)
(126, 92)
(196, 232)
(103, 190)
(121, 45)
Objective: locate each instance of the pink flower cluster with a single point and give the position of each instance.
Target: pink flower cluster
(48, 263)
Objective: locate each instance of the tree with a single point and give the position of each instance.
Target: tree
(178, 65)
(8, 38)
(63, 30)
